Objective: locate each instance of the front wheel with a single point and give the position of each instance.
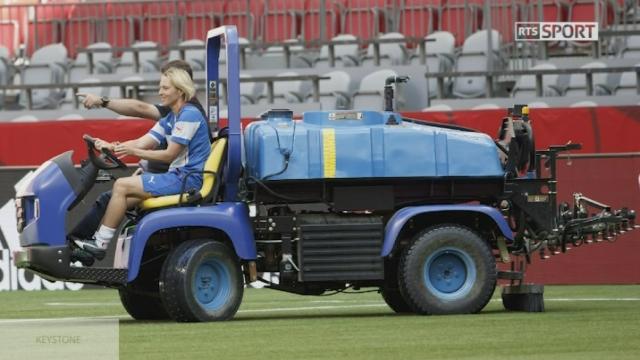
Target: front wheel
(201, 280)
(448, 269)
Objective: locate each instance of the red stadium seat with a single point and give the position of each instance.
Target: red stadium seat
(311, 20)
(585, 10)
(246, 19)
(160, 23)
(122, 21)
(9, 36)
(200, 16)
(504, 13)
(366, 18)
(45, 25)
(282, 19)
(552, 10)
(18, 16)
(84, 27)
(419, 18)
(461, 21)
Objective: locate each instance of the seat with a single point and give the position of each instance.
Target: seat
(210, 182)
(418, 18)
(439, 58)
(628, 84)
(236, 12)
(486, 107)
(122, 23)
(577, 85)
(281, 20)
(370, 94)
(631, 47)
(199, 16)
(584, 103)
(366, 18)
(147, 58)
(438, 107)
(461, 18)
(159, 23)
(390, 53)
(284, 92)
(101, 61)
(84, 26)
(526, 84)
(475, 57)
(195, 57)
(311, 20)
(250, 90)
(335, 93)
(45, 24)
(47, 67)
(346, 54)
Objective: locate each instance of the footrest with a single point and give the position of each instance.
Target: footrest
(107, 276)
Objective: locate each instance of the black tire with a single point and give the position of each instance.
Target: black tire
(141, 306)
(390, 291)
(141, 297)
(211, 267)
(448, 269)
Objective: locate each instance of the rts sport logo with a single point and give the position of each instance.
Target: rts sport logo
(556, 31)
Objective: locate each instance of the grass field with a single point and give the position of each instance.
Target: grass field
(580, 322)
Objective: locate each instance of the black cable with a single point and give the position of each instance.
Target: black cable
(286, 154)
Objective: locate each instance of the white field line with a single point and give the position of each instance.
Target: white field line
(245, 311)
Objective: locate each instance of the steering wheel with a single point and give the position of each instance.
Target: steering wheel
(107, 160)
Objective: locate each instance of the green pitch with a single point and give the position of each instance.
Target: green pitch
(581, 322)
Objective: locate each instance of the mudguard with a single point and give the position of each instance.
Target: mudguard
(400, 218)
(231, 218)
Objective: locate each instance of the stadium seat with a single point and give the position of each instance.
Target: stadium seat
(552, 10)
(195, 57)
(461, 18)
(235, 13)
(438, 107)
(282, 20)
(370, 94)
(84, 26)
(584, 103)
(475, 57)
(487, 106)
(250, 91)
(199, 16)
(538, 105)
(45, 25)
(417, 18)
(102, 62)
(160, 23)
(147, 59)
(366, 19)
(122, 23)
(311, 20)
(631, 47)
(628, 84)
(439, 57)
(526, 84)
(504, 13)
(345, 54)
(390, 53)
(47, 66)
(577, 85)
(293, 91)
(335, 93)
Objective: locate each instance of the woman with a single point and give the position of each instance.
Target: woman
(184, 129)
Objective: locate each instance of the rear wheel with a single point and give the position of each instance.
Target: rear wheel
(447, 270)
(390, 291)
(201, 280)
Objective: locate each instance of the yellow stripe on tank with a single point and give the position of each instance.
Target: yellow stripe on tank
(329, 152)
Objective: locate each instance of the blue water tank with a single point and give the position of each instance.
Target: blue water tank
(362, 144)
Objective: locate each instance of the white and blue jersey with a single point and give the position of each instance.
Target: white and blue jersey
(187, 128)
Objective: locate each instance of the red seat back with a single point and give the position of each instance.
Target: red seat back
(84, 26)
(246, 18)
(200, 16)
(418, 18)
(311, 20)
(282, 19)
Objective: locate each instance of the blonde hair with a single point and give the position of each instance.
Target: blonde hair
(181, 80)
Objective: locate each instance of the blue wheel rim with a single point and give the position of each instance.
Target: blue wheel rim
(211, 284)
(449, 273)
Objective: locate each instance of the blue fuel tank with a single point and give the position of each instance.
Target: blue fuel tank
(363, 144)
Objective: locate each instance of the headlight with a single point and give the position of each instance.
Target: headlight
(20, 218)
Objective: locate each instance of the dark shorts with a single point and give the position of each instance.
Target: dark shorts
(169, 183)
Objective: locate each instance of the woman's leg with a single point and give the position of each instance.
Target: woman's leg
(127, 192)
